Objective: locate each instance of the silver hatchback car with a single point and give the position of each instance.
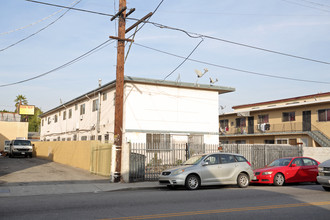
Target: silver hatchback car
(209, 169)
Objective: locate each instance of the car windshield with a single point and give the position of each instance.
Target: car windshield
(194, 160)
(22, 142)
(280, 162)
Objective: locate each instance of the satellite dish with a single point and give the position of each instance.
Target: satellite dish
(200, 74)
(212, 81)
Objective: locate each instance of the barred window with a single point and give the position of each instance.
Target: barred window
(158, 141)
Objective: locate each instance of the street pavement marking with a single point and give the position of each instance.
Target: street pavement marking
(206, 212)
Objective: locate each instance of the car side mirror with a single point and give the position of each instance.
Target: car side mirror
(205, 163)
(293, 165)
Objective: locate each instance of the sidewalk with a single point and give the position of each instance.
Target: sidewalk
(35, 176)
(62, 188)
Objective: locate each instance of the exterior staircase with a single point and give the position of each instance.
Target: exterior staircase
(320, 138)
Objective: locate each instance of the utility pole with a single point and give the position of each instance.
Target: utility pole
(119, 102)
(119, 99)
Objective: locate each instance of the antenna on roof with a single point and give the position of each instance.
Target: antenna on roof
(178, 79)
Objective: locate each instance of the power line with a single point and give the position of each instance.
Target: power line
(184, 59)
(99, 47)
(233, 69)
(196, 35)
(296, 3)
(33, 23)
(35, 33)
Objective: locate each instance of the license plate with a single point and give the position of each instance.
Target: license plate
(22, 152)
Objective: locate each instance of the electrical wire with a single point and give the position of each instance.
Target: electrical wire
(196, 35)
(35, 33)
(233, 69)
(296, 3)
(99, 47)
(184, 60)
(34, 23)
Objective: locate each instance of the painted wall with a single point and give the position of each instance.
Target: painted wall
(88, 155)
(168, 109)
(318, 153)
(12, 130)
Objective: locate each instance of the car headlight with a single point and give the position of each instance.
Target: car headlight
(178, 171)
(267, 173)
(320, 169)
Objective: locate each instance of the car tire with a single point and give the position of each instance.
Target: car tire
(279, 179)
(192, 182)
(326, 188)
(243, 180)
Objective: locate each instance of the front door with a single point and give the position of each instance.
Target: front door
(306, 120)
(251, 125)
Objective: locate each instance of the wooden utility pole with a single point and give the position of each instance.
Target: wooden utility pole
(119, 99)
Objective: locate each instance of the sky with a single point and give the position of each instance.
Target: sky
(36, 39)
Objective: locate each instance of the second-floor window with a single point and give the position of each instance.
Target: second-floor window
(324, 115)
(64, 115)
(82, 109)
(95, 105)
(240, 122)
(289, 116)
(70, 113)
(224, 125)
(55, 118)
(263, 119)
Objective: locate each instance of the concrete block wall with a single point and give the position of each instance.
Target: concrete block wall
(320, 154)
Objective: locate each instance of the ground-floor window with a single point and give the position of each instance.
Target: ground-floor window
(282, 141)
(158, 141)
(269, 142)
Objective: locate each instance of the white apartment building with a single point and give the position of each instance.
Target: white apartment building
(153, 110)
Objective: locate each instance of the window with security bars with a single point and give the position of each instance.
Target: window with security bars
(158, 142)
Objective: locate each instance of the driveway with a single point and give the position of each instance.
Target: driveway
(23, 171)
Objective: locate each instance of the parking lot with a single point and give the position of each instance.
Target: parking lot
(21, 170)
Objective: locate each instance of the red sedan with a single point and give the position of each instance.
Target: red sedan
(287, 170)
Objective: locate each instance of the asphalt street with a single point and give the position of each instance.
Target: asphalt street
(39, 189)
(306, 201)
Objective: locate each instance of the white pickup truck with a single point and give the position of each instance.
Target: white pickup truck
(21, 147)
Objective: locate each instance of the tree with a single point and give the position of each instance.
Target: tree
(20, 100)
(34, 120)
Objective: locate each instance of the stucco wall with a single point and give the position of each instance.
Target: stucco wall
(88, 155)
(318, 153)
(12, 130)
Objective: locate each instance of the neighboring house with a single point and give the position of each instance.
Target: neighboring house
(155, 112)
(11, 127)
(303, 120)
